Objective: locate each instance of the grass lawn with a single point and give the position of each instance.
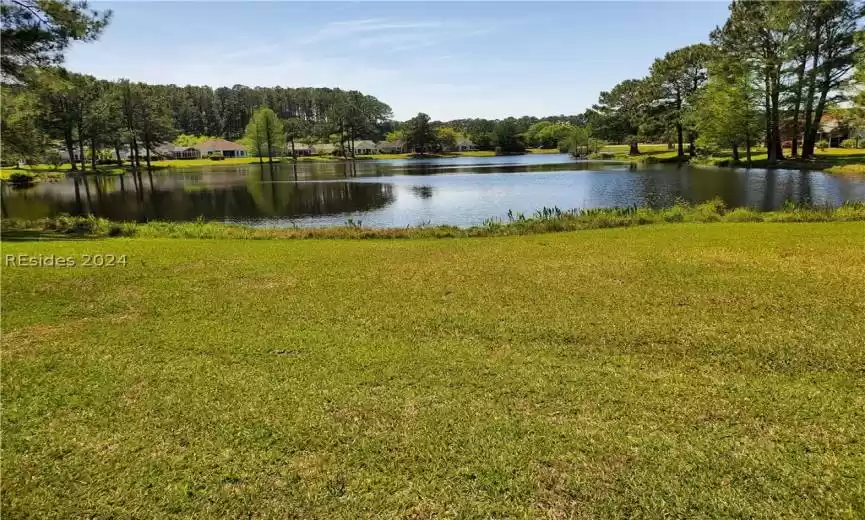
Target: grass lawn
(676, 370)
(543, 150)
(48, 171)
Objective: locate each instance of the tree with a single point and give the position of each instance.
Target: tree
(36, 32)
(834, 51)
(295, 128)
(761, 33)
(57, 96)
(547, 134)
(23, 139)
(727, 111)
(446, 137)
(154, 117)
(676, 78)
(265, 133)
(622, 111)
(506, 137)
(419, 133)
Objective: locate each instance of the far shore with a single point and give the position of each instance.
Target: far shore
(839, 161)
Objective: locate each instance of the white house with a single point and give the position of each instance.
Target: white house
(171, 151)
(365, 147)
(226, 148)
(323, 149)
(299, 149)
(464, 144)
(391, 146)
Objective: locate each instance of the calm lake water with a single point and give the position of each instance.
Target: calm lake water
(460, 191)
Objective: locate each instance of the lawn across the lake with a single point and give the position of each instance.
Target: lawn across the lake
(682, 370)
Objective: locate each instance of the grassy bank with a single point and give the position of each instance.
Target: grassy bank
(545, 220)
(686, 371)
(44, 171)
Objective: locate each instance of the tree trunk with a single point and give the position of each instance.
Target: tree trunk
(808, 146)
(679, 137)
(117, 153)
(736, 152)
(748, 149)
(767, 107)
(692, 145)
(634, 148)
(776, 114)
(133, 148)
(70, 149)
(810, 131)
(81, 150)
(93, 152)
(797, 105)
(147, 146)
(270, 154)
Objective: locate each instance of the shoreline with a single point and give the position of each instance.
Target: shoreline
(544, 220)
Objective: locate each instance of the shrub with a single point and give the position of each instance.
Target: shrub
(21, 179)
(822, 144)
(848, 143)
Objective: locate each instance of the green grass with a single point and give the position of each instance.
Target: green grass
(44, 171)
(847, 169)
(545, 220)
(543, 150)
(679, 371)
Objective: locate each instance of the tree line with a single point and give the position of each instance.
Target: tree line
(80, 111)
(768, 75)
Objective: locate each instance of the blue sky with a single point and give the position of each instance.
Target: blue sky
(450, 60)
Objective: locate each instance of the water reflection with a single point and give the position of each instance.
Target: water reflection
(462, 191)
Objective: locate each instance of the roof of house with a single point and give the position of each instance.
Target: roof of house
(323, 148)
(391, 144)
(464, 141)
(218, 144)
(364, 144)
(171, 148)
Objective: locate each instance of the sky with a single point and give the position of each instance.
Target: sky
(450, 60)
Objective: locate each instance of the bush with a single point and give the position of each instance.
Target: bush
(822, 144)
(848, 143)
(21, 178)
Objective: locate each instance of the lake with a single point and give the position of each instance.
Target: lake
(460, 191)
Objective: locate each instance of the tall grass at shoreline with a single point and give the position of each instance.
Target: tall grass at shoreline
(545, 220)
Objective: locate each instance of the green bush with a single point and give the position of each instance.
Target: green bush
(21, 178)
(848, 143)
(822, 144)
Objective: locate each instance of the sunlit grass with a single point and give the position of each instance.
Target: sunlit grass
(673, 371)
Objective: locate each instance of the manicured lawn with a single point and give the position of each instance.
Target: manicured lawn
(678, 370)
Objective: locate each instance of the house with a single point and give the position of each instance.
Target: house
(391, 146)
(464, 144)
(323, 149)
(226, 148)
(365, 147)
(301, 149)
(171, 151)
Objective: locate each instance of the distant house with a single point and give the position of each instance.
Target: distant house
(365, 147)
(227, 148)
(171, 151)
(323, 149)
(299, 149)
(391, 146)
(464, 144)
